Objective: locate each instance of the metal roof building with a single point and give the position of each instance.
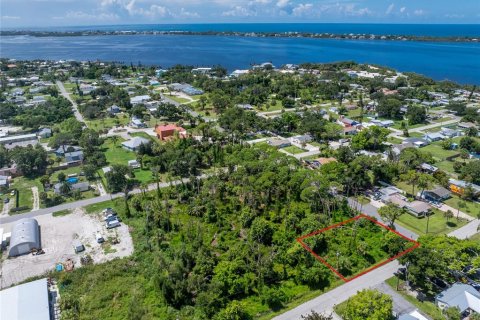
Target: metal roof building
(26, 301)
(25, 237)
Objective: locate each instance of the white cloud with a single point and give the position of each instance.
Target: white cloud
(302, 9)
(419, 12)
(10, 17)
(239, 11)
(83, 16)
(283, 3)
(402, 9)
(390, 8)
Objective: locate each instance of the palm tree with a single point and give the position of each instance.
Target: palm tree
(448, 214)
(114, 140)
(65, 188)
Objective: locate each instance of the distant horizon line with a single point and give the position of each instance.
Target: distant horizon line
(245, 23)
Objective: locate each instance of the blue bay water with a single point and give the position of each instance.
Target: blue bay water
(454, 61)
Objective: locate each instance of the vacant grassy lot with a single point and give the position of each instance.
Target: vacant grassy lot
(438, 152)
(108, 123)
(24, 186)
(293, 150)
(178, 99)
(115, 153)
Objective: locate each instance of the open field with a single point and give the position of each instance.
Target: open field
(293, 150)
(108, 123)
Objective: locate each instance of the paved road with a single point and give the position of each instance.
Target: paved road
(326, 302)
(467, 230)
(65, 93)
(86, 202)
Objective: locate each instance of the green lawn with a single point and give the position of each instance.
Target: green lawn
(24, 186)
(293, 150)
(394, 140)
(437, 224)
(107, 123)
(116, 154)
(415, 135)
(438, 152)
(426, 307)
(178, 99)
(469, 207)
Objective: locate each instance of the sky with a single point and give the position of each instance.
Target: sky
(47, 13)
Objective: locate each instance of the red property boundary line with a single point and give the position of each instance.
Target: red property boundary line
(361, 216)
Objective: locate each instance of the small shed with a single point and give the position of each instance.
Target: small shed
(25, 237)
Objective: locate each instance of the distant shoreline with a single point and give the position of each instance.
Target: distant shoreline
(333, 36)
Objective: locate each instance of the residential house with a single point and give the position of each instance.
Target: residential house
(137, 123)
(395, 195)
(398, 148)
(303, 139)
(417, 142)
(416, 208)
(185, 88)
(106, 170)
(463, 296)
(383, 123)
(134, 164)
(414, 315)
(18, 92)
(439, 194)
(279, 143)
(346, 122)
(36, 100)
(87, 88)
(450, 133)
(459, 186)
(75, 156)
(434, 136)
(44, 133)
(134, 143)
(238, 73)
(425, 167)
(82, 186)
(466, 125)
(139, 99)
(245, 106)
(63, 149)
(350, 131)
(5, 182)
(113, 109)
(169, 130)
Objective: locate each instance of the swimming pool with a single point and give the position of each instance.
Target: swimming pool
(72, 180)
